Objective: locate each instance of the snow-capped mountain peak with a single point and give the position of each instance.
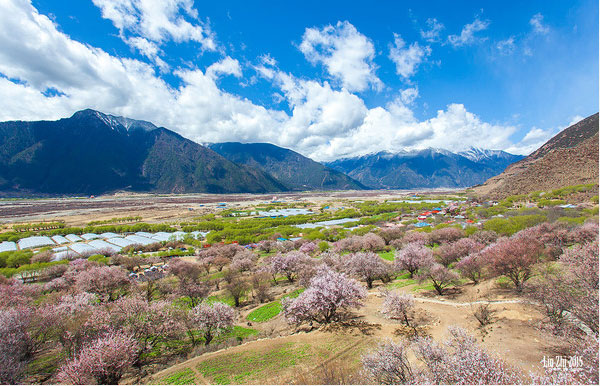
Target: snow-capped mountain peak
(476, 154)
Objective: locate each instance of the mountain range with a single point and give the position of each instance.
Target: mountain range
(569, 158)
(290, 168)
(92, 153)
(428, 168)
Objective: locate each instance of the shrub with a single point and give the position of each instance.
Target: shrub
(323, 246)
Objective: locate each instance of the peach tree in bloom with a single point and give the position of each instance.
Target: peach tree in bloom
(452, 252)
(14, 344)
(367, 266)
(461, 361)
(514, 258)
(328, 295)
(289, 264)
(397, 307)
(458, 361)
(104, 361)
(440, 277)
(106, 282)
(389, 365)
(308, 248)
(471, 267)
(413, 257)
(212, 319)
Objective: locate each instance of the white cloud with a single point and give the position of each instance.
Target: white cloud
(407, 59)
(146, 24)
(467, 34)
(346, 54)
(268, 60)
(537, 24)
(535, 138)
(575, 119)
(506, 46)
(432, 34)
(409, 95)
(149, 50)
(226, 66)
(324, 122)
(41, 57)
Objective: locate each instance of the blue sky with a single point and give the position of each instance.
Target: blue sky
(328, 80)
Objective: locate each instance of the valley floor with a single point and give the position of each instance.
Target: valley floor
(161, 207)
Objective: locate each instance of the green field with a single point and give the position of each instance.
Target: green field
(183, 377)
(387, 255)
(246, 367)
(270, 310)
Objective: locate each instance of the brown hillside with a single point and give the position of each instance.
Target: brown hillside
(569, 158)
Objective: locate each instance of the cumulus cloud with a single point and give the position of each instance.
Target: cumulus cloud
(467, 34)
(434, 28)
(534, 138)
(43, 57)
(537, 24)
(346, 54)
(149, 50)
(146, 24)
(226, 66)
(324, 122)
(407, 59)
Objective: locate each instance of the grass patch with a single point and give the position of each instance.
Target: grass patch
(401, 283)
(216, 275)
(223, 299)
(183, 377)
(266, 312)
(272, 309)
(387, 255)
(237, 332)
(423, 287)
(504, 282)
(428, 286)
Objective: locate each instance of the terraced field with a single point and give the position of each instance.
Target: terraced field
(272, 361)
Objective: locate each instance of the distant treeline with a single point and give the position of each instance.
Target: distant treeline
(38, 226)
(140, 227)
(115, 220)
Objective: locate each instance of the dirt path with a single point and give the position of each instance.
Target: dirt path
(465, 304)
